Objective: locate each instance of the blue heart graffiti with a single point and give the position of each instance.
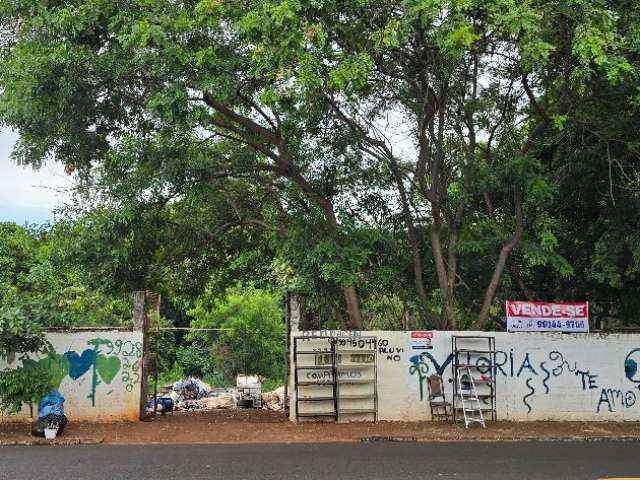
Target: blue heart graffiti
(80, 364)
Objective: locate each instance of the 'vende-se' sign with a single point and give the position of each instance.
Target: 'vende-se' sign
(547, 317)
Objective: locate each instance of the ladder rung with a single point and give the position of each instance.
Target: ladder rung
(356, 397)
(465, 365)
(317, 414)
(356, 410)
(483, 409)
(473, 337)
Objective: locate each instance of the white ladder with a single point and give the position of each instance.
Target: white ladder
(471, 406)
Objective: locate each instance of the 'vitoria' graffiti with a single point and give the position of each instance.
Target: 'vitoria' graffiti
(536, 370)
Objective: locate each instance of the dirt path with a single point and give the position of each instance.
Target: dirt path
(250, 426)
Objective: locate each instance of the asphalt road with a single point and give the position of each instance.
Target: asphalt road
(352, 461)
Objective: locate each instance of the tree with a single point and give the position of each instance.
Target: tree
(478, 85)
(40, 280)
(132, 72)
(327, 132)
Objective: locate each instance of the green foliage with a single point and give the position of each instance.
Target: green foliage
(195, 360)
(19, 337)
(22, 386)
(19, 334)
(255, 142)
(254, 342)
(167, 350)
(42, 281)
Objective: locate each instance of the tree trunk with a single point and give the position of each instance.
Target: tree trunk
(411, 232)
(500, 264)
(350, 294)
(353, 307)
(261, 139)
(517, 278)
(441, 270)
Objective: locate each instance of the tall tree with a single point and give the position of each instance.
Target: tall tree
(477, 86)
(116, 70)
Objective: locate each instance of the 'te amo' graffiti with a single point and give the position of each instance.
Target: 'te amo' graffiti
(511, 365)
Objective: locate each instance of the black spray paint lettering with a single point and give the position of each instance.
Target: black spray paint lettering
(612, 398)
(328, 375)
(532, 392)
(392, 354)
(499, 364)
(509, 365)
(547, 375)
(439, 368)
(526, 363)
(588, 380)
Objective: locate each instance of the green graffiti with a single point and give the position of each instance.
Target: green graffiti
(95, 381)
(56, 365)
(105, 360)
(107, 367)
(422, 369)
(97, 342)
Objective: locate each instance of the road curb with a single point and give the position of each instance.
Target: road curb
(58, 441)
(368, 439)
(619, 438)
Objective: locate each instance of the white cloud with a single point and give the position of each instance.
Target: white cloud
(28, 195)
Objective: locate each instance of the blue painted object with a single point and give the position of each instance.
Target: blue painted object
(80, 364)
(51, 404)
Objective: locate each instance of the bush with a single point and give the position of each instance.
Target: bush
(254, 341)
(20, 336)
(22, 385)
(195, 360)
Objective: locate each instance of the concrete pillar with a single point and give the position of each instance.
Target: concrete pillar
(146, 308)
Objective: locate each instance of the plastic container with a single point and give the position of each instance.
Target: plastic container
(50, 433)
(248, 381)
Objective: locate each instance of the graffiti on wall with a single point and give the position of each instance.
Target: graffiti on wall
(102, 362)
(388, 352)
(420, 367)
(537, 371)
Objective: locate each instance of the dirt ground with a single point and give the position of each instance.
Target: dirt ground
(260, 426)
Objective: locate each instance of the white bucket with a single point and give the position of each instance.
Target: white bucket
(50, 433)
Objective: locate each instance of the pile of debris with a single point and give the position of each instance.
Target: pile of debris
(274, 400)
(190, 389)
(193, 394)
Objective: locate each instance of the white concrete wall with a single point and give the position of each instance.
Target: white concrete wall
(539, 376)
(98, 373)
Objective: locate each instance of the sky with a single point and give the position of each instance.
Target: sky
(27, 195)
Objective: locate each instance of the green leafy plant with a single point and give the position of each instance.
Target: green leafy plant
(19, 337)
(252, 341)
(23, 386)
